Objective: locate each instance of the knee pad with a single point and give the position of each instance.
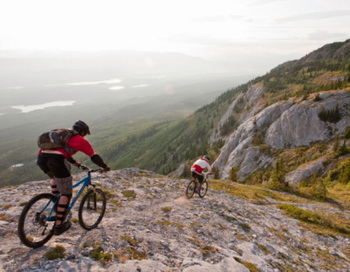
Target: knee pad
(65, 185)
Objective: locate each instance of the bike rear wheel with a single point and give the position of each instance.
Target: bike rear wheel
(191, 187)
(203, 189)
(36, 223)
(92, 209)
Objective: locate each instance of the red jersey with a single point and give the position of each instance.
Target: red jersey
(77, 143)
(200, 165)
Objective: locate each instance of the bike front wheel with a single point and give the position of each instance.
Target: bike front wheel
(36, 222)
(191, 187)
(92, 209)
(203, 189)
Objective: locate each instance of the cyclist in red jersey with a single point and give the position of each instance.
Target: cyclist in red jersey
(54, 163)
(198, 167)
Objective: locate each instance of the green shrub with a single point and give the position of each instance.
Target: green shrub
(99, 255)
(317, 98)
(315, 218)
(55, 253)
(313, 188)
(233, 173)
(332, 116)
(344, 176)
(276, 181)
(347, 133)
(130, 240)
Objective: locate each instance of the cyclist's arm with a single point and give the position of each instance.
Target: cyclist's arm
(81, 144)
(210, 169)
(96, 159)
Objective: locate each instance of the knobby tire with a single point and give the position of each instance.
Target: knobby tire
(92, 209)
(191, 187)
(203, 189)
(33, 230)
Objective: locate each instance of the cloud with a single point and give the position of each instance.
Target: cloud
(314, 16)
(217, 18)
(324, 35)
(264, 2)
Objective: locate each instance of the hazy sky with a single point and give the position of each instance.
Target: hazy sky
(261, 32)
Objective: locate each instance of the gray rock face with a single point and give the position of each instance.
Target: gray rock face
(282, 125)
(300, 124)
(251, 97)
(306, 170)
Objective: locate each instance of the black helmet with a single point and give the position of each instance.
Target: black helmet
(81, 126)
(206, 157)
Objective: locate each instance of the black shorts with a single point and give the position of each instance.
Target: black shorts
(199, 177)
(54, 165)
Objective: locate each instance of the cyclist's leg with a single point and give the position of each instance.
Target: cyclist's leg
(199, 179)
(63, 202)
(195, 177)
(42, 162)
(64, 182)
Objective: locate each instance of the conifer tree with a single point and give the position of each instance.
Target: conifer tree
(336, 145)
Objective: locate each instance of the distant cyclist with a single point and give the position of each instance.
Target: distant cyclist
(198, 168)
(54, 162)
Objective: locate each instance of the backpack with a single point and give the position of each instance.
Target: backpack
(56, 138)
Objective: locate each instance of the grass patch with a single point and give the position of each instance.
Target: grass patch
(6, 206)
(129, 194)
(116, 202)
(4, 217)
(169, 223)
(55, 253)
(98, 254)
(340, 192)
(264, 249)
(130, 240)
(207, 250)
(108, 193)
(252, 267)
(135, 254)
(331, 223)
(254, 193)
(245, 227)
(167, 209)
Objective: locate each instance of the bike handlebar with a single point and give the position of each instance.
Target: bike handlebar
(89, 170)
(96, 170)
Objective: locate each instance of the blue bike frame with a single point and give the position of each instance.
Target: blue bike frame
(85, 181)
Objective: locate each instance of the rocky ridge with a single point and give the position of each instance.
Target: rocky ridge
(151, 226)
(282, 125)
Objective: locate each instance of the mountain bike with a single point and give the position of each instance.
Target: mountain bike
(192, 186)
(37, 220)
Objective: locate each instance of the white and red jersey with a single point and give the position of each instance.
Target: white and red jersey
(200, 165)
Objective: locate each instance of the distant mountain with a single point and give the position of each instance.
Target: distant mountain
(119, 94)
(293, 115)
(37, 67)
(297, 116)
